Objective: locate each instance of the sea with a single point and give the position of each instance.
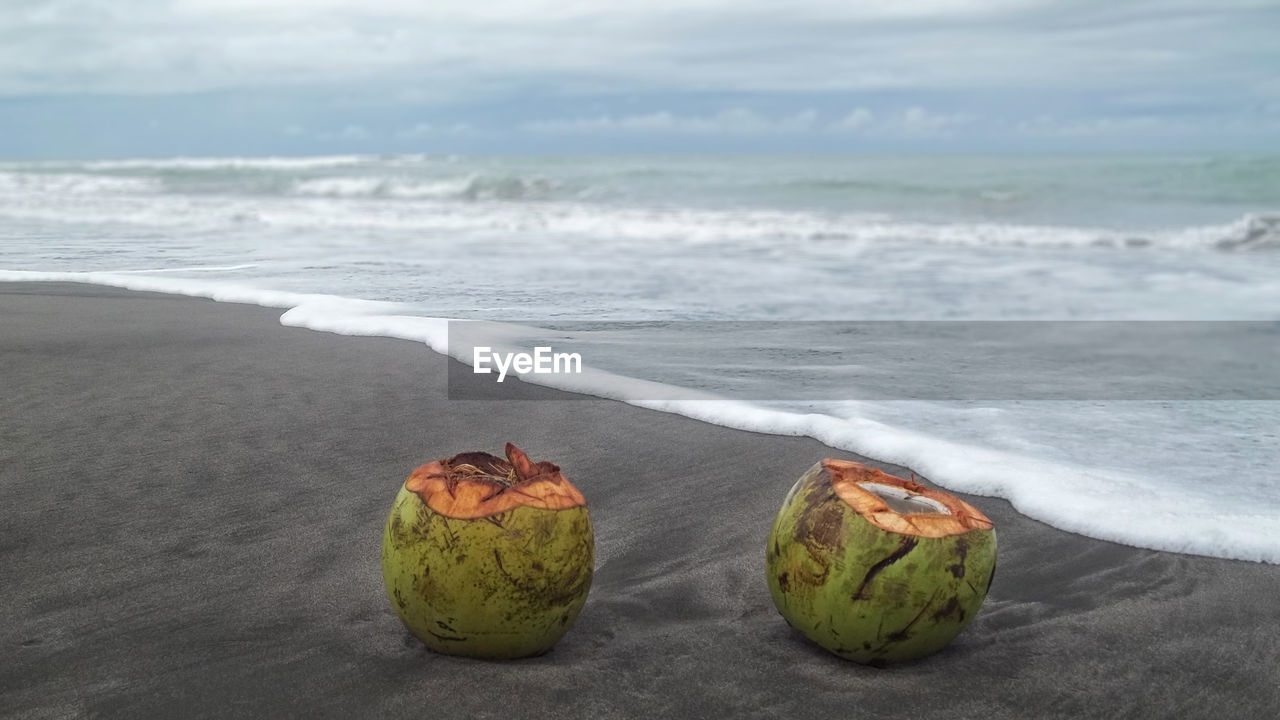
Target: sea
(870, 302)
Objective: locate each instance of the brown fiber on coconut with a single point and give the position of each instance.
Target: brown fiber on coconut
(477, 484)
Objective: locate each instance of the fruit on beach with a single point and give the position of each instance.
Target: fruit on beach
(487, 557)
(874, 568)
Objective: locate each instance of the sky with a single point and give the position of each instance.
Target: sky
(112, 78)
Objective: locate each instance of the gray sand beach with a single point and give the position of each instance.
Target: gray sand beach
(192, 501)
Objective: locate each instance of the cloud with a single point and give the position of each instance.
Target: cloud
(350, 132)
(927, 71)
(918, 122)
(451, 48)
(1050, 126)
(424, 129)
(912, 122)
(734, 121)
(855, 120)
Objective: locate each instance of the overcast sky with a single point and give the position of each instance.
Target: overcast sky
(83, 78)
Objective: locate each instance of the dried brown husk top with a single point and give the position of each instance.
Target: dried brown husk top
(477, 484)
(847, 478)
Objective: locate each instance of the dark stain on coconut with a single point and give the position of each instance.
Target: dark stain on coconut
(907, 544)
(784, 582)
(905, 632)
(952, 609)
(446, 638)
(821, 523)
(962, 552)
(828, 528)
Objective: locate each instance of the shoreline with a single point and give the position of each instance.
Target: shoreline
(975, 468)
(195, 494)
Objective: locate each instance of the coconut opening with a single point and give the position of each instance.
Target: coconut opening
(502, 474)
(477, 484)
(901, 506)
(904, 502)
(481, 467)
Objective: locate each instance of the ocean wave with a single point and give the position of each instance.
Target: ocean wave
(1253, 232)
(469, 187)
(513, 206)
(701, 226)
(233, 163)
(27, 183)
(324, 192)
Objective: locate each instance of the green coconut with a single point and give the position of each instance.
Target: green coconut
(487, 557)
(874, 568)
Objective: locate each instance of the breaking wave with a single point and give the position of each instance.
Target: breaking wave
(1253, 232)
(469, 187)
(20, 183)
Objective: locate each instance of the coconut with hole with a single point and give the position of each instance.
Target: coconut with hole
(875, 568)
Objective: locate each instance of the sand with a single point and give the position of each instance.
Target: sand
(193, 497)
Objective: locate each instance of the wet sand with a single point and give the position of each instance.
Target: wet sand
(193, 498)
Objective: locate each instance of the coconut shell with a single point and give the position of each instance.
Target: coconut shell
(488, 557)
(872, 583)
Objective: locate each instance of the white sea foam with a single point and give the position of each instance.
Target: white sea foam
(219, 291)
(347, 187)
(382, 187)
(1225, 521)
(1090, 501)
(78, 184)
(466, 187)
(184, 270)
(232, 163)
